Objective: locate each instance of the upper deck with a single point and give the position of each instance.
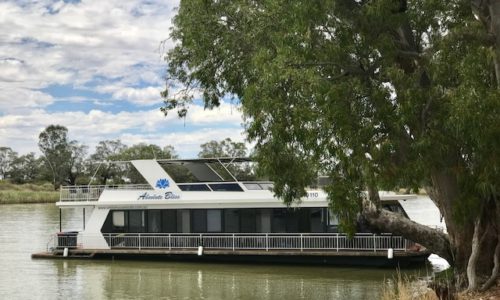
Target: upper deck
(211, 181)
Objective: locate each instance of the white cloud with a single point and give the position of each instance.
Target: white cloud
(141, 96)
(111, 47)
(52, 42)
(20, 131)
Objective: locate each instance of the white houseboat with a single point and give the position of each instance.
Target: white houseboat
(216, 217)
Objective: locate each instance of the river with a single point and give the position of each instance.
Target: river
(26, 228)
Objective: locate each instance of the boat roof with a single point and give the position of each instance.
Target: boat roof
(208, 160)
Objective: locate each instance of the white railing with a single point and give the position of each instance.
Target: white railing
(259, 241)
(93, 192)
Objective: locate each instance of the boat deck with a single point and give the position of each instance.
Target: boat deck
(323, 257)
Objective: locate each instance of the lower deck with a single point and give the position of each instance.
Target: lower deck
(310, 257)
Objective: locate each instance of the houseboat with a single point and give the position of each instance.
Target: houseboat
(199, 210)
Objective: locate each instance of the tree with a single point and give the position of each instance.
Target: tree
(25, 168)
(228, 148)
(105, 152)
(62, 158)
(376, 94)
(76, 163)
(7, 156)
(224, 148)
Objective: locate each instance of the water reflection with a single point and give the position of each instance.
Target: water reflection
(25, 229)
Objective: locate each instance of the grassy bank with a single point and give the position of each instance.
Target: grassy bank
(27, 193)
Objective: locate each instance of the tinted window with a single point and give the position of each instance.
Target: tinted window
(199, 220)
(194, 187)
(214, 220)
(231, 220)
(226, 187)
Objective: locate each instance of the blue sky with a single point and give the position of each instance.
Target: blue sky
(95, 67)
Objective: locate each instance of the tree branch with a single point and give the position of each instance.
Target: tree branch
(387, 221)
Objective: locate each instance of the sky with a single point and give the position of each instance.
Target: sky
(96, 67)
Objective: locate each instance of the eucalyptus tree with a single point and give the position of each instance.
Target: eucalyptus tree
(224, 148)
(229, 148)
(377, 94)
(101, 160)
(63, 158)
(7, 156)
(54, 145)
(25, 168)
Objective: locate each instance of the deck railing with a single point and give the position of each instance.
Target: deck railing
(93, 192)
(258, 241)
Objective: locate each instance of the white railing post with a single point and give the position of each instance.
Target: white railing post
(267, 242)
(139, 242)
(110, 243)
(374, 244)
(169, 241)
(404, 245)
(233, 241)
(337, 242)
(301, 243)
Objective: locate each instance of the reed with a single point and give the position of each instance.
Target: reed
(27, 193)
(403, 288)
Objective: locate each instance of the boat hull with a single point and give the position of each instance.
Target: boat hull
(342, 258)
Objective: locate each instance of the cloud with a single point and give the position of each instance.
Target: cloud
(53, 42)
(141, 96)
(107, 55)
(20, 131)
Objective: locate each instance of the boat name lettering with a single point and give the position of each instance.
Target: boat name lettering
(312, 195)
(170, 195)
(166, 196)
(147, 196)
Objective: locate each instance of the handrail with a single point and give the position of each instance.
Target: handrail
(259, 241)
(88, 193)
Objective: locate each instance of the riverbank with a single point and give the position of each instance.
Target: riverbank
(27, 193)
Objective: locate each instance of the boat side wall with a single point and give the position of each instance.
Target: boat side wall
(92, 237)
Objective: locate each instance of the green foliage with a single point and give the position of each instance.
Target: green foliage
(228, 148)
(224, 148)
(63, 159)
(372, 93)
(25, 168)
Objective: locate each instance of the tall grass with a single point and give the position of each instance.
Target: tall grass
(403, 288)
(27, 193)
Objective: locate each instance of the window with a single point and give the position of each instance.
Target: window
(253, 186)
(316, 219)
(279, 220)
(247, 218)
(231, 220)
(169, 220)
(226, 187)
(118, 219)
(199, 220)
(136, 221)
(214, 220)
(154, 221)
(194, 187)
(333, 220)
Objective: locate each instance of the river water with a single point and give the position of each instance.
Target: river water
(26, 228)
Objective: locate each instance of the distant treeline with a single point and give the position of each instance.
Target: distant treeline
(67, 162)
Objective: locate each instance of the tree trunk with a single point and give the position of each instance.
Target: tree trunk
(387, 221)
(471, 266)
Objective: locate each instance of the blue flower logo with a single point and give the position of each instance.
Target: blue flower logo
(162, 183)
